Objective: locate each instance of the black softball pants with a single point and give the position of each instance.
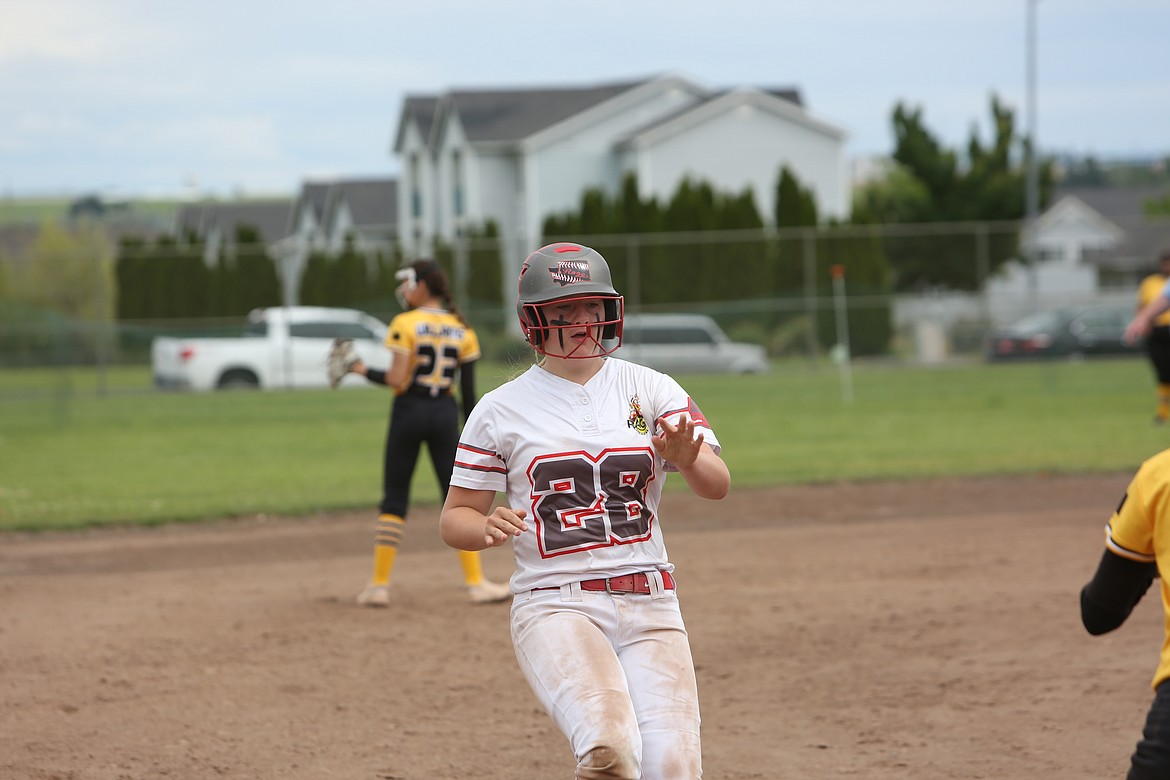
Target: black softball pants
(1158, 350)
(414, 421)
(1151, 759)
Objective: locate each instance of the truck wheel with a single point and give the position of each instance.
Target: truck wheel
(238, 379)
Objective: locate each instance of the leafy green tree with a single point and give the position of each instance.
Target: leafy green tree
(984, 184)
(898, 196)
(70, 271)
(67, 276)
(1157, 207)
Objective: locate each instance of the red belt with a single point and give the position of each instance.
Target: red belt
(627, 583)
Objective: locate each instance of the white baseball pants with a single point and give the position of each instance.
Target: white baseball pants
(614, 671)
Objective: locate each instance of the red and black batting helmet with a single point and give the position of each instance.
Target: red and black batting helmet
(564, 272)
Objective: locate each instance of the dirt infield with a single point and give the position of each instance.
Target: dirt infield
(890, 630)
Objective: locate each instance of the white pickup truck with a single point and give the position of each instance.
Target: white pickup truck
(281, 347)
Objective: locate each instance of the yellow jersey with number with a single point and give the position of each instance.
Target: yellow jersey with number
(436, 343)
(1150, 288)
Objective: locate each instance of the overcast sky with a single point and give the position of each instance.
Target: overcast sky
(167, 97)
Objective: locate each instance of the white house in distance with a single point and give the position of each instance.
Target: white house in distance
(1091, 244)
(515, 156)
(326, 214)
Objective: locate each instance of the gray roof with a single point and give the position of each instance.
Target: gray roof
(509, 115)
(1116, 202)
(189, 219)
(791, 94)
(421, 110)
(514, 114)
(372, 202)
(312, 195)
(1145, 237)
(268, 217)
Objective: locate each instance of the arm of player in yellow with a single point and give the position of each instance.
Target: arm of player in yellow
(1140, 325)
(1116, 588)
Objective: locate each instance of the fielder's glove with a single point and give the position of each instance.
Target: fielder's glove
(341, 359)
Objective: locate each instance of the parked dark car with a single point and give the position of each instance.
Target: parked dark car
(1072, 332)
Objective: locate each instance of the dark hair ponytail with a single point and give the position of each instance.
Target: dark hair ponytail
(429, 271)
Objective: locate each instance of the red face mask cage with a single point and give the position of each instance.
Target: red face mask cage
(602, 337)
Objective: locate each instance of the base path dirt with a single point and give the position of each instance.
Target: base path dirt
(882, 630)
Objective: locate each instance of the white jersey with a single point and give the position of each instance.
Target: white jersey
(578, 458)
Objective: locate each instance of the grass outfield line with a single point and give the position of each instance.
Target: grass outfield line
(71, 458)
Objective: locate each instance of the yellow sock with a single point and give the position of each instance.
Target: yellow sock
(1163, 401)
(386, 539)
(472, 568)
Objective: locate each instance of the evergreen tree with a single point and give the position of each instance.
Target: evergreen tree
(484, 263)
(129, 278)
(257, 285)
(315, 280)
(348, 281)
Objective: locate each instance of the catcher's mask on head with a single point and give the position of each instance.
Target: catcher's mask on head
(410, 276)
(563, 273)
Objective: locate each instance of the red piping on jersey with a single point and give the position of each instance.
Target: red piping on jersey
(480, 450)
(490, 469)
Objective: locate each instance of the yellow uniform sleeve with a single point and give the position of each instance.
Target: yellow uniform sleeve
(469, 350)
(400, 335)
(1140, 531)
(1149, 289)
(1130, 532)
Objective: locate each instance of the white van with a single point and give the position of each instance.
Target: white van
(687, 344)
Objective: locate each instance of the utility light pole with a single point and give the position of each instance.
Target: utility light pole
(1032, 194)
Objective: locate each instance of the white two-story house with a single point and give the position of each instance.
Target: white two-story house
(516, 156)
(326, 215)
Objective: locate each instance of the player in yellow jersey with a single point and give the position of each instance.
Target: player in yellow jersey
(432, 345)
(1158, 339)
(1137, 546)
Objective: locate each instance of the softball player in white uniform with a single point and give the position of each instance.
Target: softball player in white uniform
(580, 445)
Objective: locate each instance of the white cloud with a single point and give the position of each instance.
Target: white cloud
(208, 138)
(77, 32)
(138, 91)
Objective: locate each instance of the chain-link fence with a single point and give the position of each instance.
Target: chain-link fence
(914, 292)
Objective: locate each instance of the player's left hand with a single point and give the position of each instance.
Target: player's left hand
(678, 444)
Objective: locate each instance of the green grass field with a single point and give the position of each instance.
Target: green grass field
(72, 457)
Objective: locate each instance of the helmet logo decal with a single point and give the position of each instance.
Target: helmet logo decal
(570, 272)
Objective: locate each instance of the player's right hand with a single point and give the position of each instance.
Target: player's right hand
(1137, 329)
(504, 523)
